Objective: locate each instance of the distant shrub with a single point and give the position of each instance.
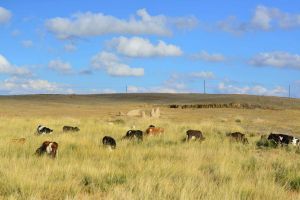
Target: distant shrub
(238, 121)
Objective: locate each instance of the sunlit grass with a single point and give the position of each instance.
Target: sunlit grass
(161, 167)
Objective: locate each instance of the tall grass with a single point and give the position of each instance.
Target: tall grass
(161, 167)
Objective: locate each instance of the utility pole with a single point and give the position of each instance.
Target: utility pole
(204, 89)
(126, 89)
(289, 91)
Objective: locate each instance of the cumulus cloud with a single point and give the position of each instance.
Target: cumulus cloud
(213, 57)
(5, 15)
(255, 90)
(27, 43)
(60, 66)
(15, 85)
(264, 19)
(113, 66)
(7, 68)
(140, 47)
(277, 59)
(93, 24)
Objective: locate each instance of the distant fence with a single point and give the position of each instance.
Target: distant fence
(226, 105)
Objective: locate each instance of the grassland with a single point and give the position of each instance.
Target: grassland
(159, 168)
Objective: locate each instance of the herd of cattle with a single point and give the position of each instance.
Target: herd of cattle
(51, 148)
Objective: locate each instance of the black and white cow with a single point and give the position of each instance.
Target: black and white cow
(132, 134)
(283, 139)
(70, 129)
(110, 142)
(43, 130)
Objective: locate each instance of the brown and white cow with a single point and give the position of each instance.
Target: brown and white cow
(48, 147)
(155, 131)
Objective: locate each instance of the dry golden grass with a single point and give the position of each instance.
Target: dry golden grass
(158, 168)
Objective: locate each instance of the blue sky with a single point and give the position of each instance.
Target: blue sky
(102, 46)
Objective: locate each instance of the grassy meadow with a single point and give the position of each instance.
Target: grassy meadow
(160, 167)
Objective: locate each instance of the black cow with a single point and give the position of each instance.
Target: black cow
(43, 130)
(194, 134)
(70, 129)
(283, 139)
(131, 134)
(239, 137)
(109, 142)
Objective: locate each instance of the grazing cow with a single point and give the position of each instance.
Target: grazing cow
(109, 142)
(151, 126)
(50, 148)
(70, 129)
(43, 130)
(155, 131)
(131, 134)
(194, 135)
(240, 137)
(283, 139)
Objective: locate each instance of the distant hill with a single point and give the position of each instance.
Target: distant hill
(156, 98)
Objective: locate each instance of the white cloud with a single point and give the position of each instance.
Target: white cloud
(70, 47)
(264, 19)
(27, 43)
(140, 47)
(60, 66)
(16, 85)
(113, 66)
(5, 15)
(277, 59)
(214, 57)
(93, 24)
(256, 90)
(157, 89)
(7, 68)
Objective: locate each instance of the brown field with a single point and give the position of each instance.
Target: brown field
(160, 167)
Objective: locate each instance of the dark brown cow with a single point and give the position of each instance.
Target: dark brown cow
(239, 137)
(155, 131)
(48, 147)
(194, 135)
(70, 129)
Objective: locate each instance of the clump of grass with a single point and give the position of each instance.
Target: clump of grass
(294, 184)
(119, 121)
(265, 143)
